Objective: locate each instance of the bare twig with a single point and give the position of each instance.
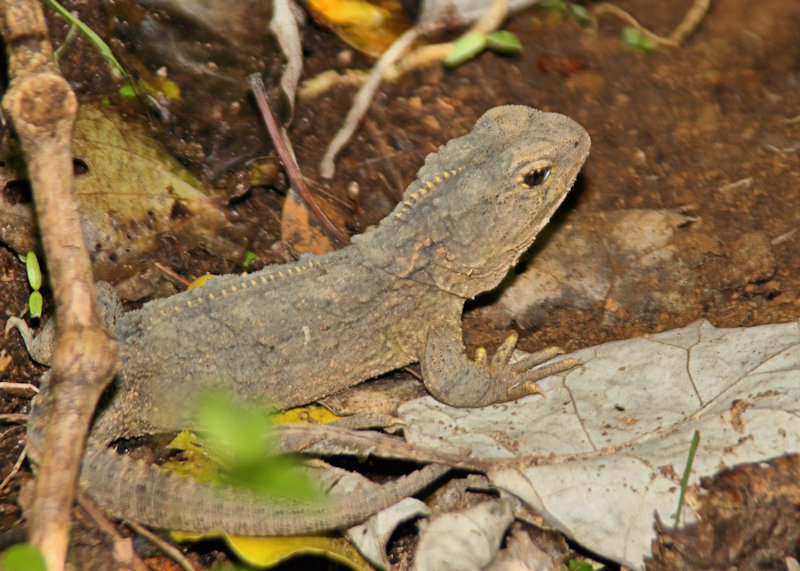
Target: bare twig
(688, 25)
(124, 554)
(387, 68)
(363, 98)
(15, 468)
(164, 546)
(174, 276)
(287, 157)
(42, 109)
(25, 389)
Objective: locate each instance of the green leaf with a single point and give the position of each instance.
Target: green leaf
(634, 39)
(35, 303)
(554, 5)
(249, 258)
(127, 91)
(34, 271)
(23, 557)
(241, 435)
(504, 42)
(580, 14)
(465, 48)
(237, 428)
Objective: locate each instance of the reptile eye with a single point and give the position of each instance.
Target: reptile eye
(536, 177)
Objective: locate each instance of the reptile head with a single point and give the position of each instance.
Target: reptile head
(480, 201)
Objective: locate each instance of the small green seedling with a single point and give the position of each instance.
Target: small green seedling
(127, 91)
(465, 48)
(581, 14)
(686, 473)
(472, 43)
(634, 39)
(70, 37)
(35, 301)
(96, 41)
(249, 258)
(503, 42)
(23, 557)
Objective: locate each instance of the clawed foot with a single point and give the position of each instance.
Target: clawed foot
(517, 379)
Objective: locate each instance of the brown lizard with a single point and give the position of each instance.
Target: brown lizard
(294, 333)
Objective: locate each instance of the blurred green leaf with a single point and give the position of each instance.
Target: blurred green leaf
(580, 14)
(249, 258)
(465, 48)
(634, 39)
(23, 557)
(504, 42)
(127, 91)
(555, 5)
(241, 434)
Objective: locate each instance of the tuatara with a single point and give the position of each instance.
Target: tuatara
(298, 332)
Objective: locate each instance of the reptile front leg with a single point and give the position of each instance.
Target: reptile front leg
(452, 378)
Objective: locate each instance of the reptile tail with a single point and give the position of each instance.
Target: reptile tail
(132, 489)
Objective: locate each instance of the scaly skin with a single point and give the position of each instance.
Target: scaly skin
(294, 333)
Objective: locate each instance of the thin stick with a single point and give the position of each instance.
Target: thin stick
(164, 546)
(287, 157)
(690, 21)
(363, 98)
(386, 67)
(16, 388)
(42, 108)
(123, 551)
(15, 469)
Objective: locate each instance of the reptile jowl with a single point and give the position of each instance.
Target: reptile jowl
(294, 333)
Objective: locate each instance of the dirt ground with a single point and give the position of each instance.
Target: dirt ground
(704, 129)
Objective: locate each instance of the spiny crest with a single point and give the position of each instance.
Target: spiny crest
(175, 304)
(420, 188)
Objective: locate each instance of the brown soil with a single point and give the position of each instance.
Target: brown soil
(702, 128)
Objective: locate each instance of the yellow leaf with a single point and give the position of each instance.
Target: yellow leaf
(369, 27)
(311, 414)
(198, 461)
(269, 551)
(348, 12)
(201, 281)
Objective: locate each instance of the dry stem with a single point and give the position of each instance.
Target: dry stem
(42, 109)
